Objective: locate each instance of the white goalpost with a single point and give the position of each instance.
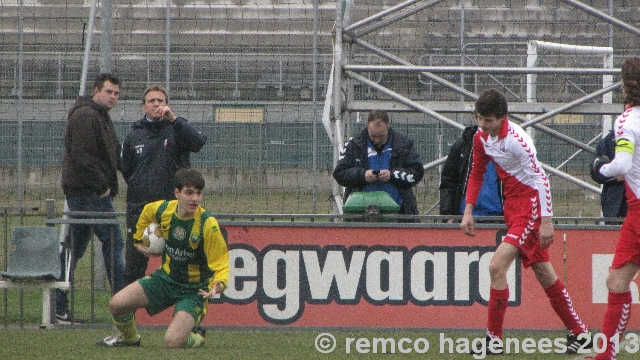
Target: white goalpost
(607, 63)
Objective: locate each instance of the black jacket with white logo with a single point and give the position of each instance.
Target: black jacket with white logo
(406, 167)
(152, 153)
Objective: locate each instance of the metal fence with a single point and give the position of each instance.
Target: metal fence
(274, 60)
(222, 59)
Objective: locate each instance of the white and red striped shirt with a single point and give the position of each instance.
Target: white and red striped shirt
(514, 154)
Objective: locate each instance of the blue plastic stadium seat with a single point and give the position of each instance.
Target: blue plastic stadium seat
(34, 254)
(34, 262)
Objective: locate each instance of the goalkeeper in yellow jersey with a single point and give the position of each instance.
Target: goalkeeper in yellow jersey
(195, 267)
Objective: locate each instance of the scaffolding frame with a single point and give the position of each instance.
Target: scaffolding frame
(337, 104)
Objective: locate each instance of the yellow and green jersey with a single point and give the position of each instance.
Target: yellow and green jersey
(195, 250)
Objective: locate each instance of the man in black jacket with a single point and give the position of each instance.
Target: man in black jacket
(158, 145)
(613, 200)
(379, 158)
(90, 166)
(453, 181)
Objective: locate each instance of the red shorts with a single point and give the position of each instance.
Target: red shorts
(628, 245)
(522, 217)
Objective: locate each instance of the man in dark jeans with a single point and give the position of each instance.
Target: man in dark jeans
(90, 165)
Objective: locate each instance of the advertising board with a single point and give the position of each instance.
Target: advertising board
(382, 277)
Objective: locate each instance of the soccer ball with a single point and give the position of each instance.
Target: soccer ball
(152, 238)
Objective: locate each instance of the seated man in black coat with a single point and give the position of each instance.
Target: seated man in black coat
(381, 159)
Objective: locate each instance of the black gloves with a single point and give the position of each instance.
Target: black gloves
(596, 164)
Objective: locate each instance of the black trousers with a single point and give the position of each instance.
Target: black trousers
(135, 262)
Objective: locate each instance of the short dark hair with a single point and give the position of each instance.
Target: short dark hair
(491, 103)
(378, 115)
(100, 79)
(188, 177)
(155, 88)
(631, 81)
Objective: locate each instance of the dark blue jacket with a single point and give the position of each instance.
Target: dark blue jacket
(406, 167)
(152, 153)
(613, 200)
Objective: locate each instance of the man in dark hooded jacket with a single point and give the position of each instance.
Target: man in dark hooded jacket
(90, 165)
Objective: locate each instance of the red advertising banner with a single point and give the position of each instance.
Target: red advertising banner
(319, 276)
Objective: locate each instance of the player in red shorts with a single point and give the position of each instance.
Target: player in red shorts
(527, 214)
(626, 260)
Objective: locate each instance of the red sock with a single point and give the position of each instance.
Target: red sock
(498, 302)
(615, 320)
(562, 305)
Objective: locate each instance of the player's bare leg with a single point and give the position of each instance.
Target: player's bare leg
(502, 259)
(129, 299)
(179, 330)
(619, 280)
(545, 274)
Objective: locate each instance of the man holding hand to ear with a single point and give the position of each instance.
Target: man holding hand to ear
(157, 146)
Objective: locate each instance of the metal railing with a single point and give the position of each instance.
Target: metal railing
(64, 218)
(89, 218)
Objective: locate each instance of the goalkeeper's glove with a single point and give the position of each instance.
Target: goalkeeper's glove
(596, 164)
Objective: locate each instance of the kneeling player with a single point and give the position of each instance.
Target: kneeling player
(195, 267)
